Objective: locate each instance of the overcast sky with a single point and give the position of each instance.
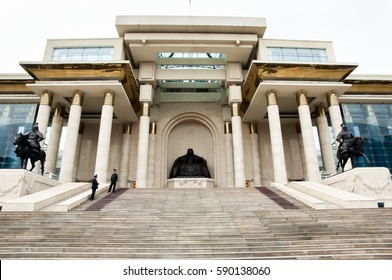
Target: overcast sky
(360, 30)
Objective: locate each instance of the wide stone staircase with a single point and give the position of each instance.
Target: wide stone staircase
(246, 223)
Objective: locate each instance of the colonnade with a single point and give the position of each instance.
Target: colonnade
(311, 166)
(233, 138)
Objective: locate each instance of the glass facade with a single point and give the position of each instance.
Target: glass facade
(83, 54)
(297, 54)
(14, 118)
(373, 122)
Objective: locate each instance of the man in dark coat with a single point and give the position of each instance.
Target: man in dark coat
(113, 181)
(94, 186)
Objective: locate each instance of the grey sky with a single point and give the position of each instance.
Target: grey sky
(358, 29)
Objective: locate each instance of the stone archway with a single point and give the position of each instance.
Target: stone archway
(190, 130)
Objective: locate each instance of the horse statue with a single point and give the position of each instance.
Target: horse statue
(25, 151)
(355, 149)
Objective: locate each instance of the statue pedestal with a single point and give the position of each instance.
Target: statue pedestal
(20, 182)
(188, 183)
(374, 182)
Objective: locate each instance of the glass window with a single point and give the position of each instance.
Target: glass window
(297, 54)
(373, 122)
(14, 118)
(83, 54)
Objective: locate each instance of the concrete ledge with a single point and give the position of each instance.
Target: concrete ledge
(39, 200)
(335, 196)
(75, 201)
(304, 198)
(16, 183)
(372, 182)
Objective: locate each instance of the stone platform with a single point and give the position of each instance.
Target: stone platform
(190, 183)
(369, 187)
(372, 182)
(16, 183)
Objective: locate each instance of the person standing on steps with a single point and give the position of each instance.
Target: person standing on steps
(94, 186)
(113, 181)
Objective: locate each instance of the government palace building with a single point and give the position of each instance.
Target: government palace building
(256, 112)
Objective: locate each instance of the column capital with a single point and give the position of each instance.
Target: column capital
(272, 98)
(235, 109)
(153, 128)
(59, 110)
(46, 98)
(252, 128)
(108, 98)
(146, 109)
(227, 127)
(77, 98)
(320, 111)
(127, 128)
(332, 99)
(302, 98)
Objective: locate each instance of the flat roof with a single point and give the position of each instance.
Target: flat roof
(190, 24)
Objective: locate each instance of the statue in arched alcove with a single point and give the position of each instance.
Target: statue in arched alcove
(190, 166)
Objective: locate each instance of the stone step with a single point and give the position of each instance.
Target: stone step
(188, 224)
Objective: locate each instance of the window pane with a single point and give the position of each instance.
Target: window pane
(297, 54)
(83, 54)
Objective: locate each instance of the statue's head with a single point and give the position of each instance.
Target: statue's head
(35, 127)
(190, 152)
(343, 126)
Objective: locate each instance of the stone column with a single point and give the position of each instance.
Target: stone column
(143, 142)
(313, 173)
(105, 133)
(151, 155)
(229, 155)
(325, 140)
(335, 116)
(126, 147)
(71, 139)
(77, 152)
(235, 99)
(277, 148)
(54, 140)
(43, 116)
(256, 162)
(301, 149)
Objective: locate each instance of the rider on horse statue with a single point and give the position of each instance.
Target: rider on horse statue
(344, 138)
(34, 137)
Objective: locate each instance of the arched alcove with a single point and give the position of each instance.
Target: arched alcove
(190, 130)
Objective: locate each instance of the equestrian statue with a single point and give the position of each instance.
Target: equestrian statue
(349, 147)
(28, 147)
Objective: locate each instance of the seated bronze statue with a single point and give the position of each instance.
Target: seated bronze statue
(190, 166)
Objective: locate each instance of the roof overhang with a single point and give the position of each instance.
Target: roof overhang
(93, 79)
(291, 77)
(286, 97)
(190, 24)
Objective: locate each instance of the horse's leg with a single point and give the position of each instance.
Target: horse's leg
(344, 163)
(42, 167)
(32, 164)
